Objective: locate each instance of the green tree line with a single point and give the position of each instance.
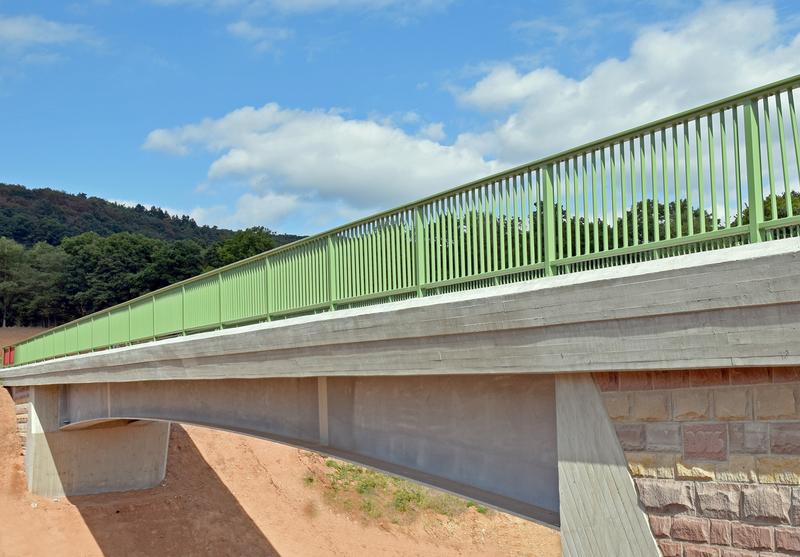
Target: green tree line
(44, 285)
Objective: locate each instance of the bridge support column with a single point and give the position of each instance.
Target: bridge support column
(600, 512)
(116, 456)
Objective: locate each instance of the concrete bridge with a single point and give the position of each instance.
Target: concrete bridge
(649, 402)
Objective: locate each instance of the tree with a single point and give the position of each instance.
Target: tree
(241, 245)
(12, 275)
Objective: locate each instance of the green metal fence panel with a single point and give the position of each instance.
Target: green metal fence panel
(692, 182)
(120, 320)
(59, 342)
(100, 331)
(85, 335)
(71, 333)
(168, 312)
(201, 303)
(142, 320)
(244, 292)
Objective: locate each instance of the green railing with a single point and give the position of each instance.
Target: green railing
(719, 175)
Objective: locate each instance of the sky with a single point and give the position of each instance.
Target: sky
(300, 115)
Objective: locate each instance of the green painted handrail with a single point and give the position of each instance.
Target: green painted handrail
(673, 186)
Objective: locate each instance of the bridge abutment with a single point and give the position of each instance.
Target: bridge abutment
(117, 456)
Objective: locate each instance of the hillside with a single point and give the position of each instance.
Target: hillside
(28, 216)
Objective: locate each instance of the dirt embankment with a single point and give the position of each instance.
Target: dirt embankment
(227, 494)
(10, 335)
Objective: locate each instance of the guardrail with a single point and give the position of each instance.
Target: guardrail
(703, 179)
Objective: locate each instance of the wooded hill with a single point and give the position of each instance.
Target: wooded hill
(64, 255)
(28, 216)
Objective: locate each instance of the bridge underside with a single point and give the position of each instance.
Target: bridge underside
(540, 446)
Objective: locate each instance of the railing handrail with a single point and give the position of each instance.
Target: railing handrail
(632, 133)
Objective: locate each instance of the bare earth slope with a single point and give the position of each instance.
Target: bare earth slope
(227, 494)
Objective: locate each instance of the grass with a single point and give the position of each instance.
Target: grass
(374, 495)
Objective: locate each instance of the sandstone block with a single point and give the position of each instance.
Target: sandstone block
(784, 438)
(716, 500)
(738, 468)
(663, 436)
(635, 381)
(690, 405)
(660, 525)
(607, 381)
(737, 553)
(733, 404)
(631, 436)
(696, 471)
(764, 503)
(720, 533)
(778, 470)
(665, 497)
(617, 406)
(690, 529)
(750, 537)
(670, 549)
(775, 402)
(650, 406)
(709, 377)
(787, 539)
(794, 511)
(670, 379)
(749, 437)
(785, 374)
(705, 441)
(651, 465)
(750, 375)
(700, 551)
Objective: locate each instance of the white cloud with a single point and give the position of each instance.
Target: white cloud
(31, 30)
(323, 162)
(716, 51)
(262, 38)
(324, 155)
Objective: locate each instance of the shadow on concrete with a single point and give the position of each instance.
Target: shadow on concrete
(192, 513)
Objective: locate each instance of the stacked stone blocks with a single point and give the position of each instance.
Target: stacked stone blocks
(21, 395)
(715, 455)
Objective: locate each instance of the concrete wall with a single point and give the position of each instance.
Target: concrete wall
(491, 438)
(117, 457)
(715, 455)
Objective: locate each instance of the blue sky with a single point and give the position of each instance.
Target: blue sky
(302, 114)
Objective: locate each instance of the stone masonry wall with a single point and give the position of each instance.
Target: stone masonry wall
(715, 456)
(20, 395)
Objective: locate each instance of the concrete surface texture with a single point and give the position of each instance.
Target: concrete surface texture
(731, 307)
(715, 455)
(119, 458)
(231, 495)
(489, 438)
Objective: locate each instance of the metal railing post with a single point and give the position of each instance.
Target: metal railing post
(332, 270)
(755, 188)
(549, 231)
(419, 254)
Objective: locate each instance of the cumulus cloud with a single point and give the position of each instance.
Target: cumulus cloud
(323, 154)
(716, 51)
(325, 162)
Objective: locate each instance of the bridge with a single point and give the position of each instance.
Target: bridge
(579, 340)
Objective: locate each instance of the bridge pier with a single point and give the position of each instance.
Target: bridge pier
(115, 456)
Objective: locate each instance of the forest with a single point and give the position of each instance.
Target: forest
(65, 255)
